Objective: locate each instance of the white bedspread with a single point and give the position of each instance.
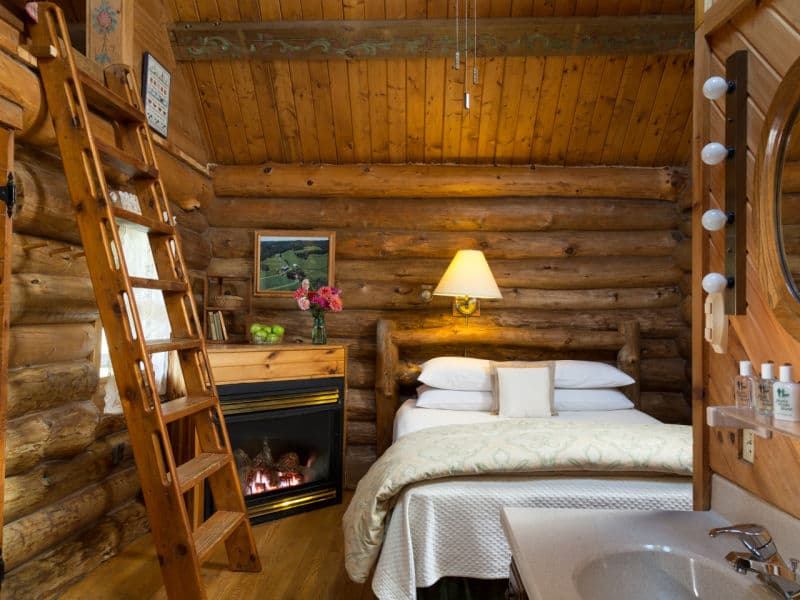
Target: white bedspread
(451, 528)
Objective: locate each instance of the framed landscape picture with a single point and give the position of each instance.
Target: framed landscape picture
(284, 258)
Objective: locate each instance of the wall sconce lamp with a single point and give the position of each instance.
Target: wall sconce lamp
(468, 278)
(715, 331)
(729, 289)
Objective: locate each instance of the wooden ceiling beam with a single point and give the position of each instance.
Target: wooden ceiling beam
(417, 38)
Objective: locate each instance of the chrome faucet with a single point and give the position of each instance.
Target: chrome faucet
(762, 559)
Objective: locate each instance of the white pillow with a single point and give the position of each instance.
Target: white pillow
(429, 397)
(582, 374)
(585, 399)
(457, 373)
(524, 391)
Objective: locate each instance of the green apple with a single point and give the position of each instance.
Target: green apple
(255, 327)
(273, 338)
(278, 330)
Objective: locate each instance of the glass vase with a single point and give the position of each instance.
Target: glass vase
(319, 333)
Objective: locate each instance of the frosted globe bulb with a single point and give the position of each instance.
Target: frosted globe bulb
(714, 219)
(715, 88)
(714, 283)
(713, 153)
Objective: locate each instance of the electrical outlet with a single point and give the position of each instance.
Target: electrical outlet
(748, 450)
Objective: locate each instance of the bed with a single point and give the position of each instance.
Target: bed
(448, 526)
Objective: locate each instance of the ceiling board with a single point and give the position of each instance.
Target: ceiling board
(561, 109)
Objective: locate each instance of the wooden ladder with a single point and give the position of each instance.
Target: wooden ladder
(88, 161)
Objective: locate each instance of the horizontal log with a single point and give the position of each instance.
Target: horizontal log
(429, 38)
(542, 273)
(49, 386)
(55, 433)
(360, 432)
(195, 247)
(358, 459)
(360, 372)
(192, 219)
(34, 533)
(361, 404)
(31, 345)
(50, 573)
(509, 215)
(43, 205)
(349, 324)
(32, 254)
(40, 298)
(185, 187)
(276, 180)
(669, 407)
(666, 374)
(23, 87)
(49, 482)
(354, 244)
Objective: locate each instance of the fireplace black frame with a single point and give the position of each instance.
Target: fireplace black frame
(289, 398)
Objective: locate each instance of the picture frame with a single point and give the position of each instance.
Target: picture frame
(284, 258)
(156, 81)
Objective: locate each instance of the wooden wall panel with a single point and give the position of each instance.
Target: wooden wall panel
(771, 34)
(524, 110)
(557, 265)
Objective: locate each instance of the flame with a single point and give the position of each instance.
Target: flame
(261, 482)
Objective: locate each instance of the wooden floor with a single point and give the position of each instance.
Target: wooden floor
(301, 557)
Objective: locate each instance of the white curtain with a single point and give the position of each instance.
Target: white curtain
(152, 311)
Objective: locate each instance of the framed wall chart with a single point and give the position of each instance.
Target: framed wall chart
(155, 93)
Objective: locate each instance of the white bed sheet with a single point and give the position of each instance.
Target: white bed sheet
(409, 418)
(451, 528)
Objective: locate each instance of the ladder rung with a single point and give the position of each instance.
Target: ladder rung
(146, 222)
(215, 530)
(159, 284)
(169, 344)
(185, 406)
(123, 163)
(109, 103)
(199, 468)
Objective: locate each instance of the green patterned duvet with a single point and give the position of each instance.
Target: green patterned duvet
(513, 446)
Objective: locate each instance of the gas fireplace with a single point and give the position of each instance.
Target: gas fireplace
(286, 438)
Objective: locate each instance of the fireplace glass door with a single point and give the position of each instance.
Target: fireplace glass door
(286, 439)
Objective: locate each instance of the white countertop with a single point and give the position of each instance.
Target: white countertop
(552, 546)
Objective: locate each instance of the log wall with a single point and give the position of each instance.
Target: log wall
(560, 261)
(770, 32)
(71, 489)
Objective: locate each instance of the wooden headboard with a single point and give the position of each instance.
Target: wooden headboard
(390, 371)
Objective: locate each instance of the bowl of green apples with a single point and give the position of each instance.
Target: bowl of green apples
(266, 334)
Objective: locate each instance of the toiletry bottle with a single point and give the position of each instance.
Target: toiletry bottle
(744, 385)
(786, 396)
(764, 389)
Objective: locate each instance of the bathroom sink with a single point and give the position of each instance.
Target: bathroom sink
(573, 554)
(662, 574)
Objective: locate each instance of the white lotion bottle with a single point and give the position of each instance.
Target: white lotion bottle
(744, 385)
(764, 389)
(786, 396)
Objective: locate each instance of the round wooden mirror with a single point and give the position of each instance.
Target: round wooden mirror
(778, 203)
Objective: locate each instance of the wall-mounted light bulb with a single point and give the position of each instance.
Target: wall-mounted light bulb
(713, 283)
(714, 219)
(714, 153)
(716, 87)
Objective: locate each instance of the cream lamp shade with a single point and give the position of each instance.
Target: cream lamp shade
(468, 277)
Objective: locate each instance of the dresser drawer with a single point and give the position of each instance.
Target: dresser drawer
(245, 363)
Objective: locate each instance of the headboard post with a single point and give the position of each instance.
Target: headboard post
(387, 388)
(629, 359)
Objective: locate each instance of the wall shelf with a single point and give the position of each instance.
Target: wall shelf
(735, 417)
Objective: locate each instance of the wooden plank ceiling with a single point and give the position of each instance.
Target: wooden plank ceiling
(605, 108)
